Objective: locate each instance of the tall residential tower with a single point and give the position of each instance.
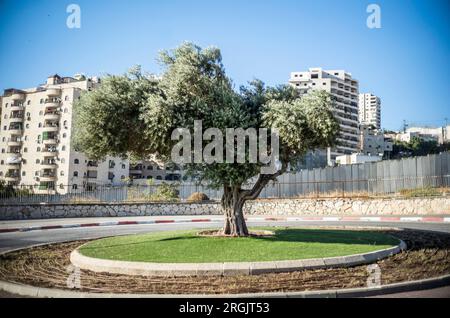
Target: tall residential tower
(344, 89)
(370, 110)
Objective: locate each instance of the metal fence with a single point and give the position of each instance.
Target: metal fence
(420, 176)
(408, 186)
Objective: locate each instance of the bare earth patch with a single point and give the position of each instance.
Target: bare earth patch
(46, 266)
(219, 233)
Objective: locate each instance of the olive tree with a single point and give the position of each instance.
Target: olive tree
(134, 115)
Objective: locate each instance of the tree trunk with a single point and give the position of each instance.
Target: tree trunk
(233, 200)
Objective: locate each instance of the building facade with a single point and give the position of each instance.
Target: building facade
(35, 139)
(345, 90)
(374, 142)
(370, 110)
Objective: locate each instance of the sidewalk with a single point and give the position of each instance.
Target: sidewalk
(47, 224)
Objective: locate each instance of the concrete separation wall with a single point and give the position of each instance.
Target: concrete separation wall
(274, 207)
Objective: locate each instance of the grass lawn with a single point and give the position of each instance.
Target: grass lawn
(187, 247)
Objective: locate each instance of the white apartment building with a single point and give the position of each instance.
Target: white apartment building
(374, 142)
(370, 110)
(345, 90)
(35, 140)
(441, 134)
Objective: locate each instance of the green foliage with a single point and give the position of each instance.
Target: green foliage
(165, 192)
(421, 192)
(134, 115)
(9, 191)
(417, 147)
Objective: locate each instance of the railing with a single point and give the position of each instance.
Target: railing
(407, 187)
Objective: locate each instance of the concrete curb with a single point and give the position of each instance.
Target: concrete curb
(429, 283)
(225, 269)
(399, 219)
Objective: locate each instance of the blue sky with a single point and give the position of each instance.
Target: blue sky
(406, 62)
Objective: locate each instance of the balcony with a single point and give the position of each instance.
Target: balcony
(50, 141)
(18, 96)
(16, 107)
(47, 176)
(16, 130)
(49, 152)
(50, 128)
(14, 142)
(12, 176)
(51, 92)
(51, 115)
(48, 164)
(52, 102)
(17, 118)
(14, 162)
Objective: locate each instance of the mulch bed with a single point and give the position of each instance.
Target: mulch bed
(46, 266)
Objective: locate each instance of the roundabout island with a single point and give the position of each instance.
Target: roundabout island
(45, 270)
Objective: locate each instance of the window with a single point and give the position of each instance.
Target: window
(3, 150)
(25, 149)
(3, 139)
(75, 173)
(158, 178)
(28, 102)
(5, 117)
(28, 114)
(41, 113)
(63, 160)
(123, 166)
(23, 173)
(27, 126)
(36, 173)
(3, 162)
(61, 173)
(6, 105)
(149, 167)
(38, 149)
(4, 127)
(66, 98)
(40, 125)
(76, 161)
(65, 124)
(63, 148)
(38, 161)
(61, 186)
(65, 110)
(26, 137)
(74, 187)
(41, 101)
(64, 135)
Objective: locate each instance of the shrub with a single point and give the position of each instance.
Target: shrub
(165, 192)
(197, 197)
(421, 192)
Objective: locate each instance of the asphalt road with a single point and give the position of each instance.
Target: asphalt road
(15, 240)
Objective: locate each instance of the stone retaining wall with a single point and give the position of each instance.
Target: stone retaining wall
(281, 207)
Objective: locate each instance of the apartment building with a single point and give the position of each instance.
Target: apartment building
(344, 89)
(370, 110)
(373, 142)
(441, 134)
(153, 169)
(35, 140)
